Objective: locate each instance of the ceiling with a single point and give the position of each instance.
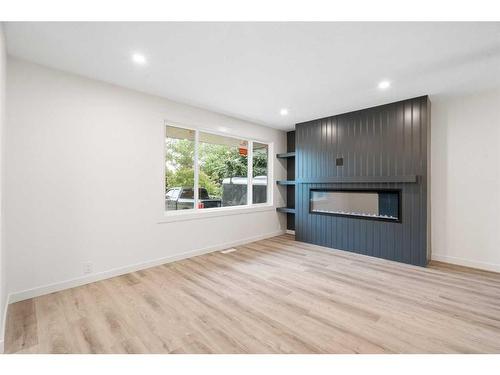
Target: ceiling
(252, 70)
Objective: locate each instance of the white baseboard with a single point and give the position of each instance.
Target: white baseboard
(466, 262)
(288, 231)
(71, 283)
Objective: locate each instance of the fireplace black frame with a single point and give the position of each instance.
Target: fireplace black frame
(368, 190)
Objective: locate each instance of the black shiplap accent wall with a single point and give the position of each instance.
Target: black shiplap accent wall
(385, 141)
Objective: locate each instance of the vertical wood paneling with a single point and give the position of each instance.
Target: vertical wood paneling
(389, 140)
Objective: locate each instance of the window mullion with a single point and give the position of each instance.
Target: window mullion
(196, 169)
(250, 173)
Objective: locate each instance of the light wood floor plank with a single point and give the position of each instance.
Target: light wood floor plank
(271, 296)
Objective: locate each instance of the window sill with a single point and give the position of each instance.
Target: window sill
(213, 212)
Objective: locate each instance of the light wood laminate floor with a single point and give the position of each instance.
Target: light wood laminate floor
(270, 296)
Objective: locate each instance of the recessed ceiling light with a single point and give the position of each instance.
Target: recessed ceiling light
(139, 59)
(384, 85)
(283, 111)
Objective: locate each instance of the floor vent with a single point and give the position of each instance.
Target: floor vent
(230, 250)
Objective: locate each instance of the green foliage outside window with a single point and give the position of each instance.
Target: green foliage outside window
(216, 163)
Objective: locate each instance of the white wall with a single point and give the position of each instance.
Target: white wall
(3, 278)
(84, 181)
(465, 175)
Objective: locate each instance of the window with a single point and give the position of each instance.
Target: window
(205, 170)
(259, 181)
(223, 170)
(179, 168)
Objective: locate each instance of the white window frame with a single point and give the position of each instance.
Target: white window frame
(197, 213)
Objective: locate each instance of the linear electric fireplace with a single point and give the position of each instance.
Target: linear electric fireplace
(383, 204)
(361, 181)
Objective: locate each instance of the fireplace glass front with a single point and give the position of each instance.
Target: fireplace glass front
(366, 204)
